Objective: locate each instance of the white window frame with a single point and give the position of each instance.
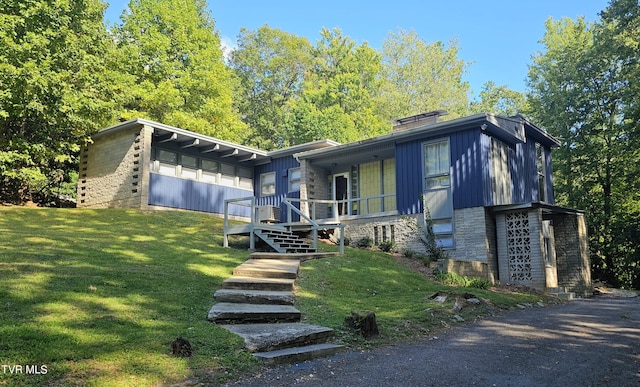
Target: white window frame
(443, 227)
(268, 184)
(541, 168)
(294, 183)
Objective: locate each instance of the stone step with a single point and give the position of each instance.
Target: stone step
(300, 256)
(271, 337)
(252, 313)
(268, 268)
(561, 293)
(240, 296)
(298, 354)
(252, 283)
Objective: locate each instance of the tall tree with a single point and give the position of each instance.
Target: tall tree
(420, 76)
(580, 92)
(499, 100)
(338, 98)
(270, 65)
(181, 79)
(56, 86)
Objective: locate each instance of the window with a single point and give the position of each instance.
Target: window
(192, 167)
(542, 181)
(438, 199)
(167, 162)
(294, 179)
(189, 167)
(268, 183)
(209, 171)
(437, 164)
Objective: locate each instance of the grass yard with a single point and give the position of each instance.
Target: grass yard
(95, 297)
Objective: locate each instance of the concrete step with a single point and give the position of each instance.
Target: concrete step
(240, 296)
(251, 283)
(562, 293)
(268, 268)
(271, 337)
(298, 354)
(252, 313)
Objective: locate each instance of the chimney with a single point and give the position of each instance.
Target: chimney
(419, 120)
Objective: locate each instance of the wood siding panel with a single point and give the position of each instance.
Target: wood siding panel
(281, 167)
(173, 192)
(389, 183)
(370, 185)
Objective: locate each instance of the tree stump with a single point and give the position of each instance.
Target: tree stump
(181, 347)
(362, 323)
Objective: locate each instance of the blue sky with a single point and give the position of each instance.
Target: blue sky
(498, 36)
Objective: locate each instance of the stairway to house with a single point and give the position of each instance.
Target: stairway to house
(284, 241)
(256, 303)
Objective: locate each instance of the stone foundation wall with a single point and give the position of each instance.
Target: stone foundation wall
(471, 269)
(572, 254)
(391, 227)
(114, 170)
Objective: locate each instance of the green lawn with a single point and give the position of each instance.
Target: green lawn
(97, 297)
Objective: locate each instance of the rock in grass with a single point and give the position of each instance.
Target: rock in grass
(362, 323)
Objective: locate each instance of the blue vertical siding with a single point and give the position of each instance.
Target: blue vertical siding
(468, 169)
(281, 167)
(409, 175)
(173, 192)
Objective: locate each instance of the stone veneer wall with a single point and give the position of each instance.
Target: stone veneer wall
(114, 170)
(572, 253)
(475, 252)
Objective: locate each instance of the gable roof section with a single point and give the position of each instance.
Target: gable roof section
(510, 129)
(206, 144)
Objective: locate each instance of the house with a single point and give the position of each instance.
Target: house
(483, 183)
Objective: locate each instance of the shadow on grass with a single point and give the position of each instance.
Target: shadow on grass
(97, 296)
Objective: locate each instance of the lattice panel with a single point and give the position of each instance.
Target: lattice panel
(519, 246)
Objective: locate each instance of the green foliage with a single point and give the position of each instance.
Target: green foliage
(56, 86)
(365, 243)
(499, 100)
(337, 100)
(584, 91)
(270, 65)
(458, 280)
(419, 77)
(179, 75)
(387, 246)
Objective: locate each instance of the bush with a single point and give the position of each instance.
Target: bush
(408, 253)
(458, 280)
(479, 283)
(365, 242)
(386, 246)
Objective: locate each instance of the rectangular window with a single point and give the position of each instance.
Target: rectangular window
(209, 171)
(268, 184)
(437, 164)
(438, 199)
(245, 178)
(189, 166)
(228, 175)
(542, 181)
(294, 179)
(167, 162)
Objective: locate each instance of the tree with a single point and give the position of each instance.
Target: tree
(337, 100)
(580, 92)
(270, 65)
(175, 56)
(420, 77)
(499, 100)
(55, 88)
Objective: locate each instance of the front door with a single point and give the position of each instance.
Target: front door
(341, 193)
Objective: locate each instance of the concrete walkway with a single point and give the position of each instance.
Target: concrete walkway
(256, 303)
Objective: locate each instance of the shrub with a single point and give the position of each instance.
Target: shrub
(386, 246)
(408, 253)
(365, 242)
(479, 283)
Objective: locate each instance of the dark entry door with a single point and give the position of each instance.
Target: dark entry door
(342, 193)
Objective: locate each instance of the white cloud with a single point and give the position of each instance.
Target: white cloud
(227, 45)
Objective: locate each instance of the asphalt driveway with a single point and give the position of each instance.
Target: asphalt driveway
(593, 342)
